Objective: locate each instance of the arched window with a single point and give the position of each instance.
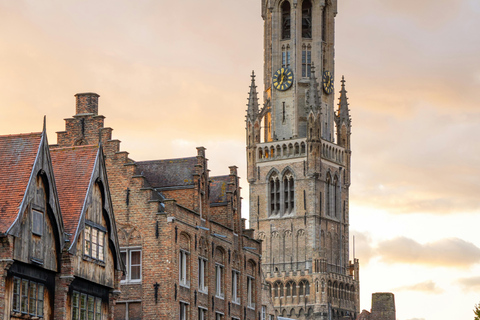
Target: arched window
(288, 192)
(285, 20)
(335, 197)
(288, 289)
(274, 185)
(307, 19)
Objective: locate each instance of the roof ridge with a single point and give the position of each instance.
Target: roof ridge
(20, 134)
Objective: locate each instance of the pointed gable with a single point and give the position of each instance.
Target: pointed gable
(17, 159)
(73, 170)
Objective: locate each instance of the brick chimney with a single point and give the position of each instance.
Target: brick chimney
(87, 103)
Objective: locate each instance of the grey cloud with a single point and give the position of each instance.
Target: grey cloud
(451, 252)
(426, 286)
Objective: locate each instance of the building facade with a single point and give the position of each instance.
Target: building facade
(299, 165)
(383, 307)
(185, 246)
(60, 257)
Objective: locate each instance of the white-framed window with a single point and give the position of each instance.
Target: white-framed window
(132, 258)
(202, 271)
(235, 286)
(85, 306)
(272, 317)
(37, 222)
(202, 313)
(94, 243)
(28, 297)
(219, 281)
(264, 313)
(183, 268)
(218, 316)
(183, 310)
(251, 292)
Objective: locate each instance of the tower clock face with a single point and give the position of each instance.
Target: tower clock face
(327, 82)
(283, 79)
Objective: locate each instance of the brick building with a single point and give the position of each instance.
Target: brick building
(59, 252)
(299, 165)
(186, 249)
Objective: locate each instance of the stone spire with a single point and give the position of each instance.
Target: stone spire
(312, 96)
(343, 115)
(252, 111)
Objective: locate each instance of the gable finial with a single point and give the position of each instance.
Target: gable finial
(44, 123)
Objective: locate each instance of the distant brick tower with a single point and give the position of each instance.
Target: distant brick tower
(383, 307)
(299, 165)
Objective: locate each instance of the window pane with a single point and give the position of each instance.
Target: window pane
(135, 273)
(83, 307)
(101, 243)
(87, 240)
(135, 255)
(98, 309)
(123, 255)
(40, 300)
(94, 243)
(25, 296)
(32, 298)
(16, 294)
(75, 310)
(91, 309)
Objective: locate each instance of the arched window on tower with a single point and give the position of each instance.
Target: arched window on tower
(327, 195)
(335, 197)
(285, 20)
(307, 19)
(286, 56)
(289, 192)
(274, 185)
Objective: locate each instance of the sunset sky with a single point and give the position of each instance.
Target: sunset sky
(174, 75)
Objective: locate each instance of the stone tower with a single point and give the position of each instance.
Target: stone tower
(298, 156)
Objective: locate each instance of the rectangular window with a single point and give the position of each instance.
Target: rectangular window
(132, 258)
(86, 307)
(219, 281)
(235, 287)
(183, 269)
(94, 243)
(250, 292)
(202, 314)
(183, 311)
(264, 313)
(218, 316)
(202, 271)
(286, 59)
(37, 222)
(27, 297)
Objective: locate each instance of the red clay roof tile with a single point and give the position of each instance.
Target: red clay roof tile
(72, 168)
(17, 157)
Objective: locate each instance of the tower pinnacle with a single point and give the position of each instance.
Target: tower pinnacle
(343, 115)
(252, 111)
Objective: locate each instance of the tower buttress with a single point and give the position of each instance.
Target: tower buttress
(314, 123)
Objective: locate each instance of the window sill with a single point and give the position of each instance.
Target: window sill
(185, 285)
(251, 307)
(204, 291)
(220, 296)
(238, 302)
(123, 282)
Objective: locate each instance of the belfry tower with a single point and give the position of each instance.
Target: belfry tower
(298, 155)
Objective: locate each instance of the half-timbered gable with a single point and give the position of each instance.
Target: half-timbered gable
(31, 227)
(93, 248)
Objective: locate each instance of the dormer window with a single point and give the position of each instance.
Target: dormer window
(37, 222)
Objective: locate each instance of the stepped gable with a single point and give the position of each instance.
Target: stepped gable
(17, 157)
(169, 172)
(218, 190)
(73, 170)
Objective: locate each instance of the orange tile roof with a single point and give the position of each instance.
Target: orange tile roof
(72, 168)
(17, 157)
